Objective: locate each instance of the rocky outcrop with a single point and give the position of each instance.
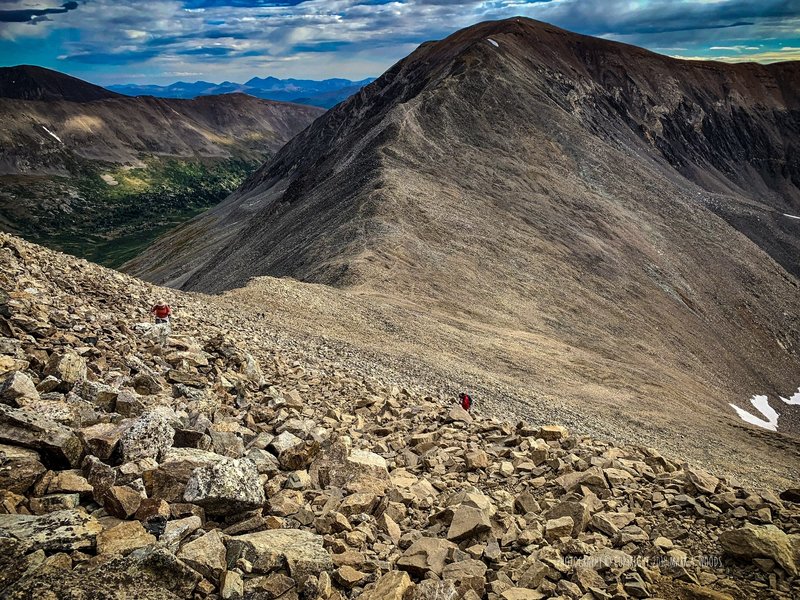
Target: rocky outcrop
(249, 474)
(765, 541)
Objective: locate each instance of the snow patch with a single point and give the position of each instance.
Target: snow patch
(493, 43)
(51, 133)
(790, 216)
(793, 400)
(761, 404)
(109, 179)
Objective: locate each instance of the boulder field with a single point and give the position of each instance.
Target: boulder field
(139, 461)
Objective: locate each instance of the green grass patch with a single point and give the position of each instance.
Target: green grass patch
(110, 224)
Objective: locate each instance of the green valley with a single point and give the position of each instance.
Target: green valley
(108, 213)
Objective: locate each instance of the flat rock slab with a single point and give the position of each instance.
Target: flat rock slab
(426, 554)
(302, 552)
(124, 538)
(26, 428)
(108, 583)
(60, 531)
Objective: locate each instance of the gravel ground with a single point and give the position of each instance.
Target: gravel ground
(755, 457)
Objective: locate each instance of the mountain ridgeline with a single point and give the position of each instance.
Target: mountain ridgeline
(325, 94)
(101, 175)
(628, 217)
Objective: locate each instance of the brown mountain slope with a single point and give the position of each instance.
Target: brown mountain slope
(552, 203)
(103, 175)
(44, 137)
(28, 82)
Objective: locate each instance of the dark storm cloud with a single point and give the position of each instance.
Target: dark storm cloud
(621, 17)
(113, 58)
(34, 14)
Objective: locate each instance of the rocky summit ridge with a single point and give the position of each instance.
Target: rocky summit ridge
(204, 462)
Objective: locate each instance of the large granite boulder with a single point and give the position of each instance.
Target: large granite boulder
(226, 487)
(148, 436)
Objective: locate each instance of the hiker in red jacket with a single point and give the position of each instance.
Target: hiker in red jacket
(161, 311)
(466, 401)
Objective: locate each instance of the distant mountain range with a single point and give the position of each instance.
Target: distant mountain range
(325, 94)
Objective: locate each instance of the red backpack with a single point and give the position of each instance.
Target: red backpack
(466, 402)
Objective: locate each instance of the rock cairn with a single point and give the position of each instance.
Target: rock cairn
(138, 462)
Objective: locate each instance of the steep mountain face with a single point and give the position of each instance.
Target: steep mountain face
(326, 93)
(623, 215)
(45, 137)
(74, 164)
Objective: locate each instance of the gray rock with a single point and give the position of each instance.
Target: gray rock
(25, 428)
(101, 439)
(231, 586)
(340, 464)
(704, 482)
(168, 481)
(177, 530)
(424, 555)
(61, 531)
(558, 528)
(149, 436)
(205, 554)
(228, 486)
(578, 511)
(99, 475)
(101, 395)
(68, 367)
(435, 590)
(468, 522)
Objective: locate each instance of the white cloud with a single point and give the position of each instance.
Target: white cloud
(352, 38)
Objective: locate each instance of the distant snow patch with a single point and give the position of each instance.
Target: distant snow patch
(51, 133)
(794, 400)
(761, 403)
(791, 216)
(109, 179)
(493, 43)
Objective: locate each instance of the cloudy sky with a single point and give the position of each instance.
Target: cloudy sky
(160, 41)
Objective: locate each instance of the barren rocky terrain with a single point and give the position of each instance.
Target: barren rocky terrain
(222, 458)
(606, 232)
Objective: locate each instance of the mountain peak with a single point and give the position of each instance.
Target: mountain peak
(29, 82)
(571, 189)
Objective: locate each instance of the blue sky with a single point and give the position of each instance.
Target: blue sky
(161, 41)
